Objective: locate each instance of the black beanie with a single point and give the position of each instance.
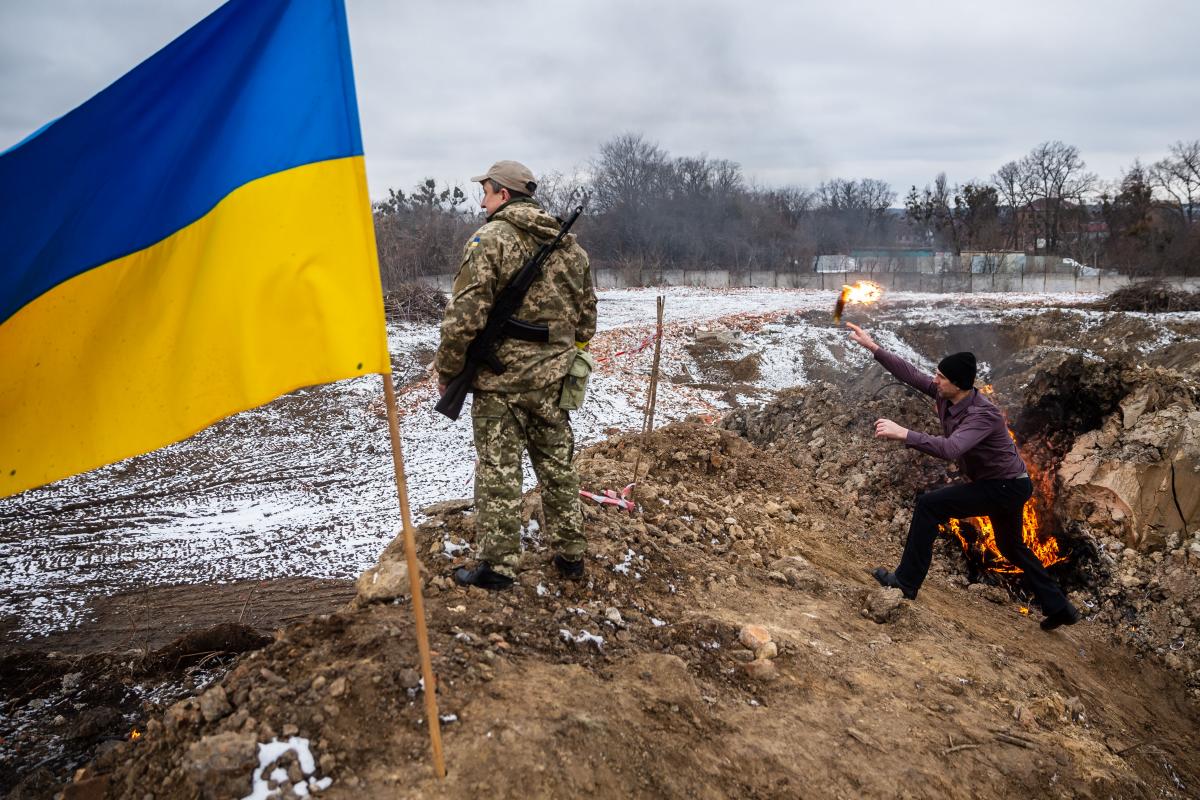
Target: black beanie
(960, 369)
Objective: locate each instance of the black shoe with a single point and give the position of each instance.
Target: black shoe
(890, 581)
(571, 570)
(1067, 615)
(482, 576)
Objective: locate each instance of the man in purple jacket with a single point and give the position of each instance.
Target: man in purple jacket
(976, 438)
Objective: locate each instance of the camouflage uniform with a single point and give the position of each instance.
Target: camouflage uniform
(518, 410)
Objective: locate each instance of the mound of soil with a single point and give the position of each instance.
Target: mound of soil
(1153, 297)
(640, 681)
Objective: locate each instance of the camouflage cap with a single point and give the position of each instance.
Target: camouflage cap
(512, 175)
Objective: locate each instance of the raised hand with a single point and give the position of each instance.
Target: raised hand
(886, 429)
(859, 336)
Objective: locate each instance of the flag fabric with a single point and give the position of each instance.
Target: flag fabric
(193, 241)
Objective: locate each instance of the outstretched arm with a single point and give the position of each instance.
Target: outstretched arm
(971, 432)
(861, 337)
(893, 363)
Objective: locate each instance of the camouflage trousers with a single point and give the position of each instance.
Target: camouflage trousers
(506, 424)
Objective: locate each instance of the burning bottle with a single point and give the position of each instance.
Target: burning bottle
(862, 292)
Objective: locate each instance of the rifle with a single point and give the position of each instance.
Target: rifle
(500, 325)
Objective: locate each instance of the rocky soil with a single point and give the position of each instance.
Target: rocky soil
(727, 642)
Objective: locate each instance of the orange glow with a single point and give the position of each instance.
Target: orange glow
(1024, 609)
(134, 735)
(862, 292)
(1037, 536)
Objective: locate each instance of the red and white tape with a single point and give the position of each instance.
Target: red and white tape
(610, 497)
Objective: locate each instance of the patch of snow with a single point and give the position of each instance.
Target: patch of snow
(451, 549)
(581, 637)
(269, 753)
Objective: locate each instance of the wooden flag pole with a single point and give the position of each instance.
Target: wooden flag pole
(414, 582)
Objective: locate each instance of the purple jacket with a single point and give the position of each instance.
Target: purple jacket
(976, 433)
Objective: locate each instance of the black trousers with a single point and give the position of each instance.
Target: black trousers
(1001, 501)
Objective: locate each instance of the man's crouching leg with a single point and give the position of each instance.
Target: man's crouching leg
(498, 443)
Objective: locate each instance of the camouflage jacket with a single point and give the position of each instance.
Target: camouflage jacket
(562, 297)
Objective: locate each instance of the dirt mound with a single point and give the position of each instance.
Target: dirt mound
(1126, 444)
(414, 302)
(1152, 297)
(826, 432)
(719, 357)
(638, 682)
(1125, 440)
(1070, 396)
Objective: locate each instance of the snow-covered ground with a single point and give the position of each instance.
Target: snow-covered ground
(304, 485)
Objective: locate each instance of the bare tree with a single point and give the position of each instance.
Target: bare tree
(628, 173)
(1011, 190)
(1045, 191)
(1056, 178)
(1178, 177)
(559, 192)
(853, 212)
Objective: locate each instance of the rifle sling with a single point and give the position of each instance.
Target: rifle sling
(526, 331)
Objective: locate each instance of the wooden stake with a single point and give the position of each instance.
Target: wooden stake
(414, 582)
(652, 390)
(648, 427)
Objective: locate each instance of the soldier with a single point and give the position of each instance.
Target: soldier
(520, 409)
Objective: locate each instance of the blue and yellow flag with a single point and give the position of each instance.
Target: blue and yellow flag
(193, 241)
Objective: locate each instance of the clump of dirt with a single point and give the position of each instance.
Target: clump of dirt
(637, 681)
(414, 302)
(1153, 297)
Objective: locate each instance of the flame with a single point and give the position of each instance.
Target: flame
(134, 735)
(862, 292)
(1036, 535)
(1024, 609)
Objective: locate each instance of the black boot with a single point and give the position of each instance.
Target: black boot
(482, 576)
(1067, 615)
(890, 581)
(571, 570)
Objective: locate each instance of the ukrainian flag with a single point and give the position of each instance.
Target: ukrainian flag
(193, 241)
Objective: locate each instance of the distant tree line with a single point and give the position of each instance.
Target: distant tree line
(651, 210)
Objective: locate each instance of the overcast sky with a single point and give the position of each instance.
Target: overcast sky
(796, 92)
